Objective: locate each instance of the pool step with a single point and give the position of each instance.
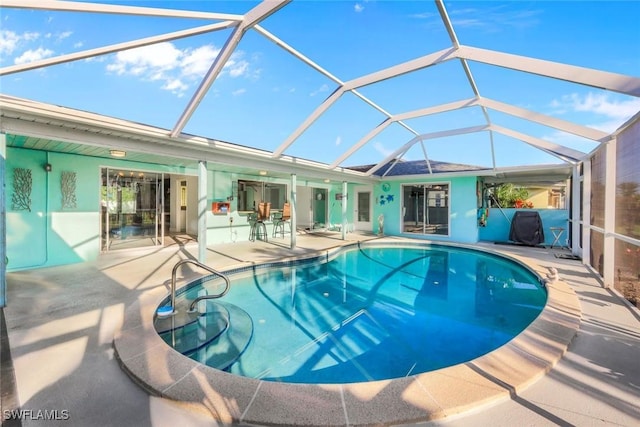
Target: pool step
(216, 337)
(230, 345)
(200, 331)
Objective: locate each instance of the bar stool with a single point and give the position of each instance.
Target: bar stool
(258, 227)
(280, 219)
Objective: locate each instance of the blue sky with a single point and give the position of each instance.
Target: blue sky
(264, 93)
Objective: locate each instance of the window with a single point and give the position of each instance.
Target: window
(251, 193)
(426, 208)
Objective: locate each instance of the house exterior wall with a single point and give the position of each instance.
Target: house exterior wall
(50, 234)
(462, 212)
(499, 224)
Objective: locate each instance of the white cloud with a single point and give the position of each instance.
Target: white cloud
(380, 148)
(146, 59)
(178, 69)
(612, 113)
(237, 68)
(338, 140)
(424, 15)
(33, 55)
(78, 45)
(9, 40)
(238, 92)
(30, 36)
(496, 18)
(175, 86)
(64, 35)
(323, 88)
(358, 8)
(196, 62)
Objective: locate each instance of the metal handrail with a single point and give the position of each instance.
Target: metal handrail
(195, 301)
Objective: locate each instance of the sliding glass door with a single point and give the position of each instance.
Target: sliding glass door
(426, 209)
(132, 209)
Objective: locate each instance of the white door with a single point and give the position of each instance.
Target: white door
(304, 212)
(363, 209)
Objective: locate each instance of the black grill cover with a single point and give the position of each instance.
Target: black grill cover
(526, 228)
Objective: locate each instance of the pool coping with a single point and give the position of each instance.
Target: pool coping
(446, 392)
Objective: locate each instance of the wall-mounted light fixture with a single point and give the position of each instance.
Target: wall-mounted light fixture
(117, 153)
(263, 173)
(47, 167)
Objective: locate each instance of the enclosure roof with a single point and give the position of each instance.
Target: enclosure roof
(404, 88)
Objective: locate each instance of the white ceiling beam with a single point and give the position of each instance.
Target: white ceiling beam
(426, 156)
(444, 16)
(328, 102)
(393, 155)
(556, 150)
(403, 68)
(73, 6)
(214, 71)
(282, 44)
(262, 11)
(433, 135)
(355, 147)
(442, 108)
(89, 53)
(620, 83)
(395, 162)
(255, 15)
(563, 125)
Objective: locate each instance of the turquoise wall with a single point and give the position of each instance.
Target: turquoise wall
(499, 224)
(462, 211)
(52, 235)
(48, 234)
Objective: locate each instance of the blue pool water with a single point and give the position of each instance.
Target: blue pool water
(372, 313)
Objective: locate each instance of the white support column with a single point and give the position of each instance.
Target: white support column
(586, 212)
(575, 210)
(610, 214)
(345, 200)
(294, 210)
(3, 223)
(202, 211)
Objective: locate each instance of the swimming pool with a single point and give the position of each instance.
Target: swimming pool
(362, 314)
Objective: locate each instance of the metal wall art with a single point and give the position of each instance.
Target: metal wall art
(22, 182)
(68, 189)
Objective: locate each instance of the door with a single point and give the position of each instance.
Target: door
(131, 203)
(363, 209)
(304, 208)
(320, 208)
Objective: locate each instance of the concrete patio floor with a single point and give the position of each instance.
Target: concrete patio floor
(61, 322)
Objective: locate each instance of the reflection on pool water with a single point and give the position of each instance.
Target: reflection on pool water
(368, 313)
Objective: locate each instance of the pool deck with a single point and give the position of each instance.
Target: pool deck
(61, 324)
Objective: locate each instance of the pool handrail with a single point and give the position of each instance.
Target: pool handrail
(201, 297)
